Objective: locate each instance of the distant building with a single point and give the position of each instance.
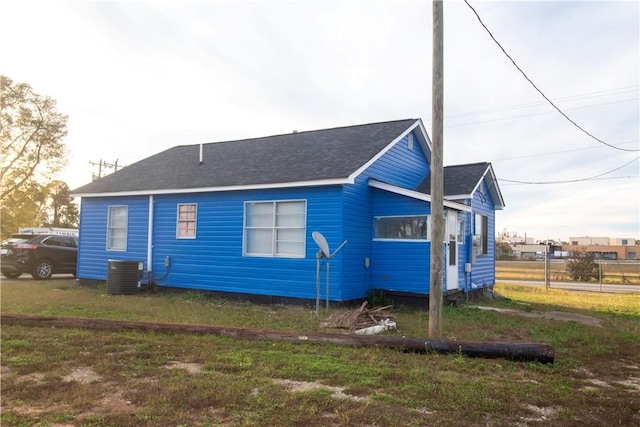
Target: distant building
(604, 241)
(589, 241)
(618, 241)
(610, 252)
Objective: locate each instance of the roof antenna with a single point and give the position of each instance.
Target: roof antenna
(201, 155)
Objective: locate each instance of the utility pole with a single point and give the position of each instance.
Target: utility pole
(437, 190)
(103, 165)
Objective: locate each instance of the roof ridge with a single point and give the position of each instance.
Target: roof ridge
(296, 133)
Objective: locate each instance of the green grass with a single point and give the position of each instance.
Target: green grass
(134, 380)
(613, 272)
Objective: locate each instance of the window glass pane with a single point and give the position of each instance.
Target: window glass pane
(117, 228)
(461, 232)
(259, 241)
(259, 214)
(404, 228)
(289, 248)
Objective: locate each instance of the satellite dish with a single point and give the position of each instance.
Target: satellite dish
(326, 253)
(322, 243)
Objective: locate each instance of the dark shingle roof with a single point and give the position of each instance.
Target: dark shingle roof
(296, 157)
(457, 179)
(461, 180)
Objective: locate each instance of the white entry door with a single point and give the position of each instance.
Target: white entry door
(452, 250)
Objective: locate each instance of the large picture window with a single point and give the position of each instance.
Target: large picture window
(402, 227)
(186, 228)
(275, 229)
(117, 222)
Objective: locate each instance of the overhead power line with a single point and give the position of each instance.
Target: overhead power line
(539, 91)
(571, 180)
(571, 98)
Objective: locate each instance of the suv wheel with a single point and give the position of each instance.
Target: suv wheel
(11, 274)
(43, 270)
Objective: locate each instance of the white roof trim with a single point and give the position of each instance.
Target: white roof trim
(417, 195)
(500, 202)
(423, 139)
(337, 181)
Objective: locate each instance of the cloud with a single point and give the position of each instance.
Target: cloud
(136, 78)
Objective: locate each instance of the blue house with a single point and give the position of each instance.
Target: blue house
(237, 217)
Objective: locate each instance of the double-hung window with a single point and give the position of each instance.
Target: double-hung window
(186, 227)
(117, 223)
(275, 228)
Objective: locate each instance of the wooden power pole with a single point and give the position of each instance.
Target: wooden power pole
(437, 181)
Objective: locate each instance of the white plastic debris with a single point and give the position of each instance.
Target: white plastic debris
(382, 326)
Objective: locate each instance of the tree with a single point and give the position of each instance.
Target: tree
(504, 251)
(60, 210)
(581, 265)
(22, 208)
(31, 137)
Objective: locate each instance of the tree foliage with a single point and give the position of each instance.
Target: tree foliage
(59, 208)
(582, 265)
(32, 152)
(31, 137)
(504, 251)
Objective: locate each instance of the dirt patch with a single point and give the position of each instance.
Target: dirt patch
(302, 386)
(540, 414)
(555, 315)
(82, 375)
(193, 368)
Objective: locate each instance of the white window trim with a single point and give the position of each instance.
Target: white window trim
(195, 231)
(274, 228)
(387, 239)
(109, 228)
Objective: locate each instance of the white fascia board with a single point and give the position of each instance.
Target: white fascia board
(422, 138)
(417, 195)
(297, 184)
(491, 182)
(496, 190)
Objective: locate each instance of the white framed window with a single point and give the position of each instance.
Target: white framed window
(481, 241)
(413, 228)
(461, 232)
(117, 223)
(187, 216)
(275, 228)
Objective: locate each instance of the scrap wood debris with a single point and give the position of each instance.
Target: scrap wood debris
(360, 318)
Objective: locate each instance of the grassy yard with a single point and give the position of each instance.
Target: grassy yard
(76, 377)
(613, 272)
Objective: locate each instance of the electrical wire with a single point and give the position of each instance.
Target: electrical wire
(540, 114)
(536, 87)
(591, 178)
(571, 98)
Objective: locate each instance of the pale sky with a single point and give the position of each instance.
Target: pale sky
(136, 78)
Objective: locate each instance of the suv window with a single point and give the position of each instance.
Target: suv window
(63, 241)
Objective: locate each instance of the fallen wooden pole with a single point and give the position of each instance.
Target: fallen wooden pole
(522, 352)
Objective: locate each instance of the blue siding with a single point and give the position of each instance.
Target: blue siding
(484, 270)
(464, 251)
(214, 259)
(399, 266)
(400, 166)
(93, 255)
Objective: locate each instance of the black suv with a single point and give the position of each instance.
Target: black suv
(41, 255)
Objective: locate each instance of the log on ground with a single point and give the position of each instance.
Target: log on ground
(522, 352)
